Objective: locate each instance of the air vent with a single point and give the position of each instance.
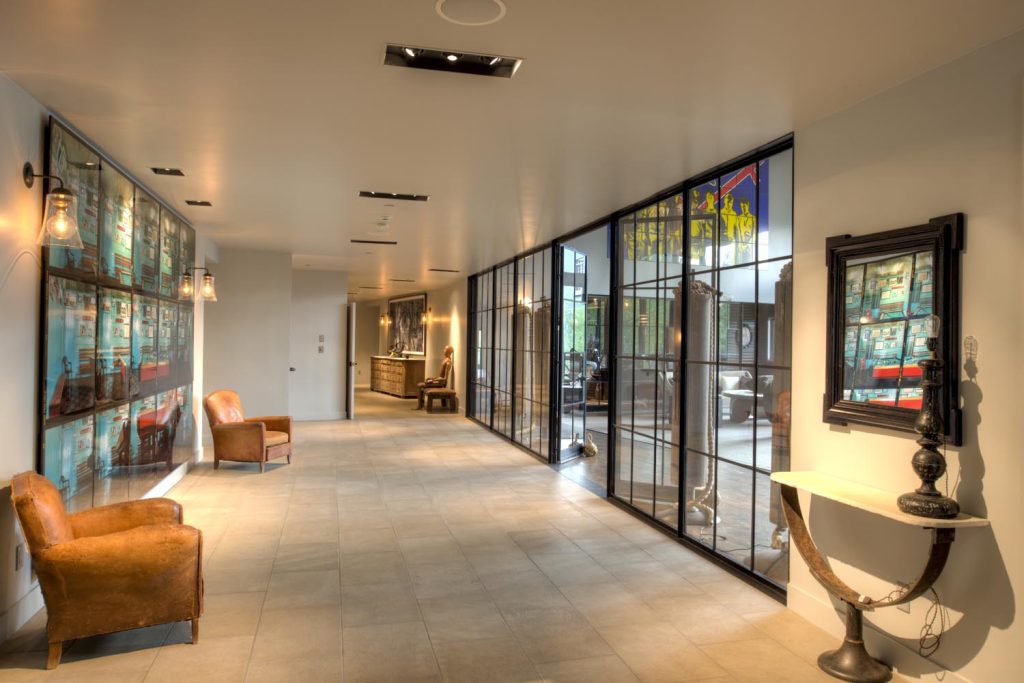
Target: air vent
(442, 270)
(372, 242)
(163, 170)
(394, 195)
(453, 61)
(367, 287)
(401, 280)
(197, 202)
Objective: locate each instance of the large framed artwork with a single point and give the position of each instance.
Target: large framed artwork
(408, 324)
(116, 362)
(881, 290)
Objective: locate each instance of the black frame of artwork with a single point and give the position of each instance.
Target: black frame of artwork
(112, 383)
(392, 322)
(944, 238)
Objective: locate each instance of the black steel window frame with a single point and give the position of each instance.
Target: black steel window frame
(765, 151)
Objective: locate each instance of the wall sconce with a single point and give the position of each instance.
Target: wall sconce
(207, 290)
(60, 222)
(427, 317)
(385, 319)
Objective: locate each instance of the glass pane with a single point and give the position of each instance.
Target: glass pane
(628, 240)
(670, 236)
(68, 450)
(623, 473)
(646, 247)
(775, 206)
(643, 473)
(169, 227)
(645, 382)
(666, 475)
(738, 216)
(70, 347)
(774, 419)
(144, 346)
(771, 533)
(183, 353)
(116, 228)
(737, 316)
(147, 242)
(733, 531)
(113, 451)
(186, 251)
(113, 356)
(699, 497)
(701, 393)
(703, 225)
(79, 168)
(166, 351)
(700, 326)
(185, 433)
(736, 412)
(775, 313)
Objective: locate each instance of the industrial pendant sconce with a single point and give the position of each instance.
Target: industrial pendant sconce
(60, 222)
(207, 290)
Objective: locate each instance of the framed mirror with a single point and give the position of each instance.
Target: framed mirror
(881, 289)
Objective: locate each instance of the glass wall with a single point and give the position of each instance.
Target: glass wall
(673, 335)
(533, 351)
(738, 375)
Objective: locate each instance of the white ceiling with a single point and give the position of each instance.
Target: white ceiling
(280, 112)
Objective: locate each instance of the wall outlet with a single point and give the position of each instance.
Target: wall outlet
(19, 557)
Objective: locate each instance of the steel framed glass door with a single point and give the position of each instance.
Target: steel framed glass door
(572, 393)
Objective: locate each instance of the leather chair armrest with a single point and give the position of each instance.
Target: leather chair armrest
(146, 558)
(274, 423)
(110, 519)
(240, 440)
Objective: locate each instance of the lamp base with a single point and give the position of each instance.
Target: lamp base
(923, 505)
(851, 662)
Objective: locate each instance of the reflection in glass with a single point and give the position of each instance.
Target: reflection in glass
(733, 531)
(113, 454)
(79, 168)
(67, 450)
(771, 533)
(116, 228)
(775, 206)
(113, 357)
(70, 347)
(738, 216)
(143, 378)
(699, 497)
(147, 242)
(737, 316)
(185, 434)
(169, 228)
(167, 335)
(703, 225)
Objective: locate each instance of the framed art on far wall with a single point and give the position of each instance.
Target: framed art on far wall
(408, 324)
(882, 288)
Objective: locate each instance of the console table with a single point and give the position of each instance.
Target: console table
(851, 662)
(396, 376)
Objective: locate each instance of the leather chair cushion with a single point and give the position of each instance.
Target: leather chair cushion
(224, 407)
(275, 438)
(41, 510)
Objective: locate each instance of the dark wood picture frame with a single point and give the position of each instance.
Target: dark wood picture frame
(944, 237)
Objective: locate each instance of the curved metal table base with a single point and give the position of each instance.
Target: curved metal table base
(851, 662)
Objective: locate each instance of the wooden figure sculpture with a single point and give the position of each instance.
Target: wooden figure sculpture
(439, 382)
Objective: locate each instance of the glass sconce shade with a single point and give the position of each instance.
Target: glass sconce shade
(207, 291)
(60, 225)
(187, 287)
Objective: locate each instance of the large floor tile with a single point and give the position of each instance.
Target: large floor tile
(389, 652)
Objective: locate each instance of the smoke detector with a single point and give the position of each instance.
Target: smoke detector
(471, 12)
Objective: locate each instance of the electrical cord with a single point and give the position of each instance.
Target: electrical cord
(930, 639)
(17, 257)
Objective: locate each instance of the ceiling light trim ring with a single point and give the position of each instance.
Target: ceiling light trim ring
(502, 10)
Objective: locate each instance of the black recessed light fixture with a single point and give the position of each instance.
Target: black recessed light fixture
(401, 280)
(394, 195)
(373, 242)
(451, 60)
(166, 170)
(198, 202)
(442, 270)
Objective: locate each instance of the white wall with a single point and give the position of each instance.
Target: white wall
(22, 122)
(246, 332)
(367, 339)
(318, 308)
(449, 315)
(948, 141)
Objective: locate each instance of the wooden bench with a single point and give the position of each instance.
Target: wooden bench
(449, 401)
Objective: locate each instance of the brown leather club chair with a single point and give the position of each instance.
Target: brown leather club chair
(111, 568)
(241, 439)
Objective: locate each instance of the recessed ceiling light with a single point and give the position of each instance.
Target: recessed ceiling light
(197, 202)
(166, 170)
(393, 195)
(452, 61)
(409, 51)
(442, 270)
(372, 242)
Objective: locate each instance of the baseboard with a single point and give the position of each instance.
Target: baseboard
(824, 615)
(20, 612)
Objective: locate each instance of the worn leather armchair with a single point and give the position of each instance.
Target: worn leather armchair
(111, 568)
(241, 439)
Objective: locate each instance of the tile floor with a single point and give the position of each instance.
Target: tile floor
(412, 547)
